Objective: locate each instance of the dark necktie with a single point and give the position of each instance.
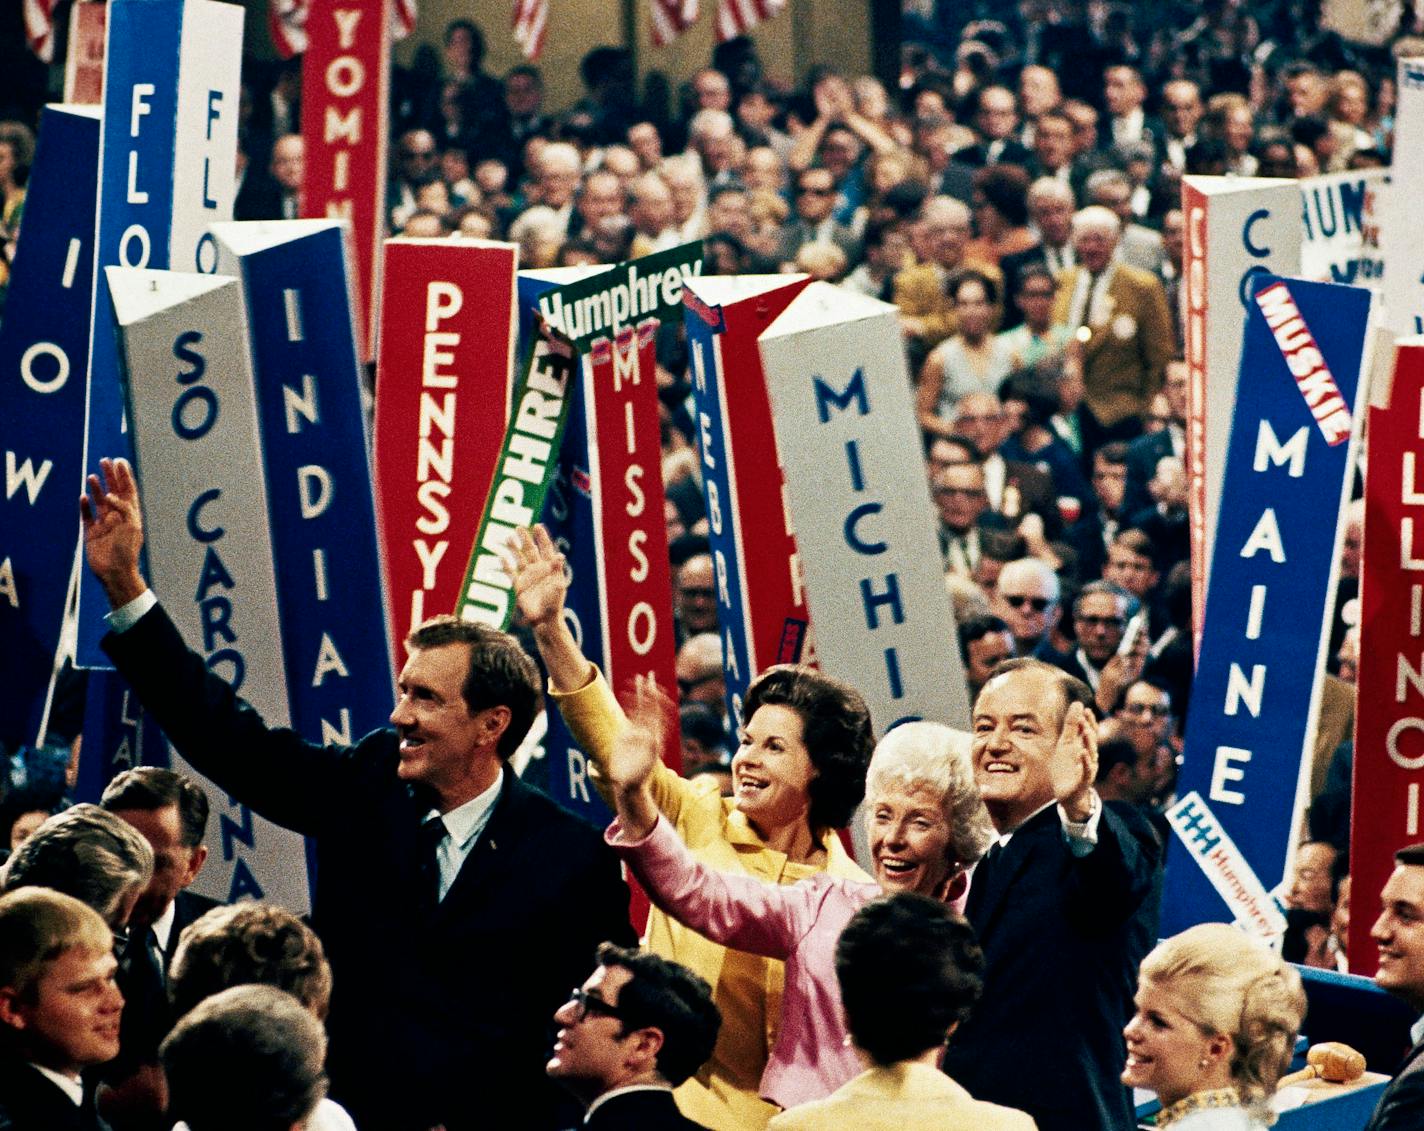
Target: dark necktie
(985, 875)
(432, 835)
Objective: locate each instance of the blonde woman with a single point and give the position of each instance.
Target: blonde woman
(1216, 1022)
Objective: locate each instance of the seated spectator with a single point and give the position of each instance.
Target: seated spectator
(1032, 397)
(85, 852)
(1000, 204)
(909, 972)
(887, 252)
(248, 1059)
(972, 360)
(1100, 617)
(1015, 489)
(984, 643)
(59, 1010)
(1036, 337)
(636, 1029)
(1027, 600)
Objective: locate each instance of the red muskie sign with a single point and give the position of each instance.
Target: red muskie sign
(345, 82)
(442, 396)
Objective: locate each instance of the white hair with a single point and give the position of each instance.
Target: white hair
(935, 757)
(1096, 218)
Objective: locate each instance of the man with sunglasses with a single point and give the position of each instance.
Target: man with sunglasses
(637, 1028)
(1027, 600)
(815, 220)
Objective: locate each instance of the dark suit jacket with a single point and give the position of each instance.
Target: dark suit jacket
(1062, 938)
(30, 1102)
(259, 198)
(188, 908)
(1401, 1108)
(436, 1013)
(977, 156)
(1143, 455)
(1013, 266)
(641, 1111)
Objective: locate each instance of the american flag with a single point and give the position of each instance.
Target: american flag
(287, 23)
(39, 28)
(670, 18)
(737, 17)
(531, 20)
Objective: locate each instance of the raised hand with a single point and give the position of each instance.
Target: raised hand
(113, 530)
(635, 755)
(537, 569)
(1074, 766)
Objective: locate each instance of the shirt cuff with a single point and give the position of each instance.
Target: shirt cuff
(126, 616)
(1082, 836)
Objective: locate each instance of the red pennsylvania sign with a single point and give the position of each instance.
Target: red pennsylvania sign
(345, 84)
(442, 396)
(1389, 714)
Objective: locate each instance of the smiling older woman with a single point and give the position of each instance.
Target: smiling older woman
(797, 776)
(925, 823)
(1217, 1015)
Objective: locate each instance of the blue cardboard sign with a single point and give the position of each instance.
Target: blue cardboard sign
(568, 516)
(308, 381)
(167, 152)
(1291, 450)
(118, 735)
(44, 346)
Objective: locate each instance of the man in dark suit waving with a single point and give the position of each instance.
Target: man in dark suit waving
(1065, 905)
(456, 904)
(1399, 934)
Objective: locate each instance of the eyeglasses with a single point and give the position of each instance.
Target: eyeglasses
(585, 1003)
(960, 492)
(1018, 601)
(1156, 710)
(1101, 622)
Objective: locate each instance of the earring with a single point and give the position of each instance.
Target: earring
(1202, 1063)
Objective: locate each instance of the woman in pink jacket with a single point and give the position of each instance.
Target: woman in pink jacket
(925, 823)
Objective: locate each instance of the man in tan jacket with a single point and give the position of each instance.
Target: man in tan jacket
(1119, 314)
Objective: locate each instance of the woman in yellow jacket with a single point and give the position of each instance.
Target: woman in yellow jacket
(797, 776)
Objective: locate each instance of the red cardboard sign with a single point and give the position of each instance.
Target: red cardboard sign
(625, 465)
(1389, 715)
(442, 396)
(345, 91)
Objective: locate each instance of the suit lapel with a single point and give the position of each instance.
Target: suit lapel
(984, 911)
(484, 860)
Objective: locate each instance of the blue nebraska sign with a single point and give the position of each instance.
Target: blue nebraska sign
(724, 534)
(44, 345)
(568, 515)
(308, 382)
(1292, 445)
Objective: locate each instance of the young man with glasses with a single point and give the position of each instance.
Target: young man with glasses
(637, 1028)
(1100, 618)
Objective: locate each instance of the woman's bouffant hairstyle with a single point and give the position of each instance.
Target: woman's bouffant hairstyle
(935, 757)
(836, 731)
(1228, 983)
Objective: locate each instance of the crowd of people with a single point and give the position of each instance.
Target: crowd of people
(1015, 193)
